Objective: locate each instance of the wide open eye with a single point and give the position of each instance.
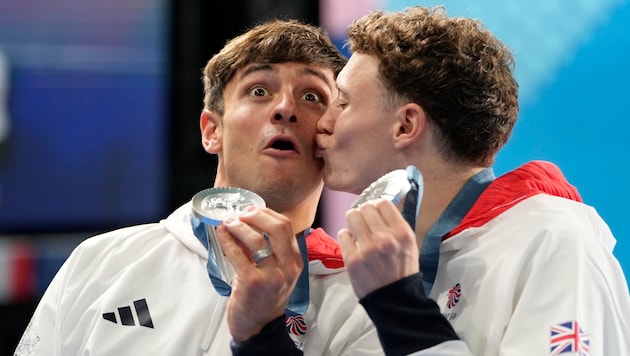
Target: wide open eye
(258, 91)
(312, 96)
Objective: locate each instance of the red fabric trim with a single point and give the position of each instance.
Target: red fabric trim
(23, 272)
(536, 177)
(320, 246)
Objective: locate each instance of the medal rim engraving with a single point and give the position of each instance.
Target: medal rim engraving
(208, 217)
(393, 186)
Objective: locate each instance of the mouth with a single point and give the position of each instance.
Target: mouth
(319, 152)
(319, 149)
(283, 143)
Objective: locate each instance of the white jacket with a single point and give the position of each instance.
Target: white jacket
(528, 271)
(145, 290)
(514, 301)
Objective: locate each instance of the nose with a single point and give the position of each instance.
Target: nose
(286, 109)
(278, 117)
(326, 124)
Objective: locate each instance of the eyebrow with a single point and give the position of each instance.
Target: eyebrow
(267, 67)
(257, 68)
(317, 73)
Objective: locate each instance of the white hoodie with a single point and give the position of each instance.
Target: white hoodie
(145, 290)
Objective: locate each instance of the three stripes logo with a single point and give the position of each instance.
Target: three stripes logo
(126, 315)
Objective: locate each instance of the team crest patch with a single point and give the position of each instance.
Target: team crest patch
(569, 338)
(296, 325)
(296, 328)
(453, 296)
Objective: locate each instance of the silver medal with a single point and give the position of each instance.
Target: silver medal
(403, 187)
(392, 186)
(212, 206)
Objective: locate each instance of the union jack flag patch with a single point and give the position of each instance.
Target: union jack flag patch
(569, 338)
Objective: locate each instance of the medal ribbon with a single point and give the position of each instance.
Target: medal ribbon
(450, 218)
(299, 299)
(411, 206)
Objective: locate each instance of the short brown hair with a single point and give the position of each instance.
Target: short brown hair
(274, 41)
(455, 69)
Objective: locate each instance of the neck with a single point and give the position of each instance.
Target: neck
(301, 211)
(440, 188)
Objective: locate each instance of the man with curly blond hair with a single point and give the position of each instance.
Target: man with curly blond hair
(484, 265)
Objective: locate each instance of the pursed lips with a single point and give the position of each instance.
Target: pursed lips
(319, 149)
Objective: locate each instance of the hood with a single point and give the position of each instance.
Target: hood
(536, 177)
(178, 224)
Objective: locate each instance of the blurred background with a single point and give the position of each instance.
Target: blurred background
(100, 102)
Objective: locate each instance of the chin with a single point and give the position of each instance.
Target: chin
(337, 184)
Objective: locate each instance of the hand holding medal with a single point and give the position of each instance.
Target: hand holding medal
(379, 244)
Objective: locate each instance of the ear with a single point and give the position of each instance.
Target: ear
(411, 123)
(209, 123)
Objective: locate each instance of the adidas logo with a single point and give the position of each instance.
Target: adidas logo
(126, 315)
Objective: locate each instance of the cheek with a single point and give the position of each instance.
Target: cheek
(310, 116)
(351, 146)
(243, 114)
(244, 121)
(350, 132)
(241, 135)
(310, 123)
(362, 140)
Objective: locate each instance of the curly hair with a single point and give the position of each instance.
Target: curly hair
(455, 69)
(274, 41)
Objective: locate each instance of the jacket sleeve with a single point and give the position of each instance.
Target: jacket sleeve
(406, 320)
(51, 330)
(272, 340)
(41, 335)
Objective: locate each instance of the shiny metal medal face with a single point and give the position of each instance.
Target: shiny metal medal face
(392, 186)
(213, 205)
